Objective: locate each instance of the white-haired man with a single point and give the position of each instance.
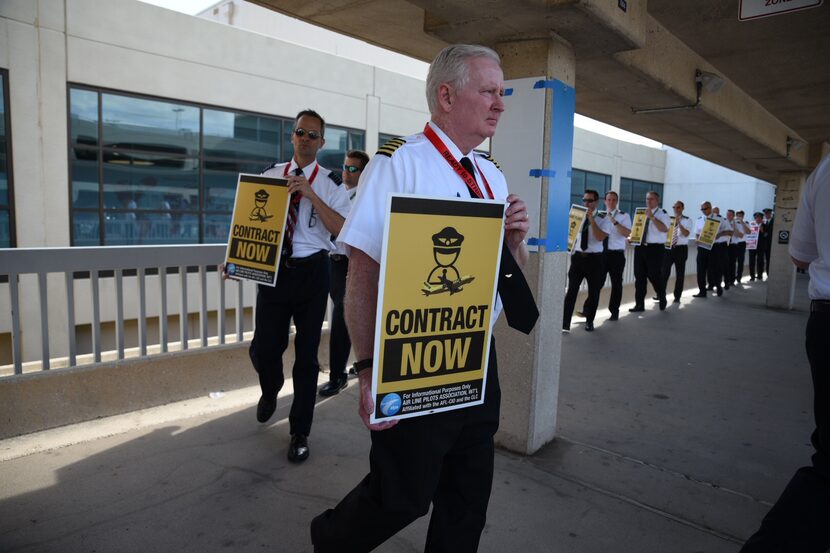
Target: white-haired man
(445, 459)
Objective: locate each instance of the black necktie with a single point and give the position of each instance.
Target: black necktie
(291, 221)
(516, 298)
(583, 240)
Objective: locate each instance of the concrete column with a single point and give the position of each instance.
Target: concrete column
(781, 283)
(535, 146)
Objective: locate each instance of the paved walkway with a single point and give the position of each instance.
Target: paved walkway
(677, 430)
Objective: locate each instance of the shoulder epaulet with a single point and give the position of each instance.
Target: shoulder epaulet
(489, 158)
(389, 148)
(664, 211)
(335, 177)
(601, 214)
(621, 212)
(271, 166)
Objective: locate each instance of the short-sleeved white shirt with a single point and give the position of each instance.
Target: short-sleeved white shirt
(310, 234)
(617, 241)
(416, 167)
(340, 249)
(737, 227)
(686, 223)
(725, 225)
(810, 238)
(653, 234)
(701, 221)
(594, 244)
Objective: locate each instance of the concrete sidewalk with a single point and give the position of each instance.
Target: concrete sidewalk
(677, 430)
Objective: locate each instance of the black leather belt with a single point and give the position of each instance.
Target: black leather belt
(585, 254)
(339, 257)
(820, 306)
(294, 262)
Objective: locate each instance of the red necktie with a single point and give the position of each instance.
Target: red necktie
(291, 222)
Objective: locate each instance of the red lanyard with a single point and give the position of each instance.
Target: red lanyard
(310, 181)
(468, 179)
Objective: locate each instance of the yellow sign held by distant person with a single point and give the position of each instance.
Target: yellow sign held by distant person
(638, 227)
(709, 233)
(576, 218)
(255, 240)
(670, 231)
(436, 295)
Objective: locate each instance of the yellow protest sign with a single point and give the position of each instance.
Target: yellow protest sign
(576, 219)
(255, 240)
(709, 233)
(436, 293)
(638, 226)
(670, 231)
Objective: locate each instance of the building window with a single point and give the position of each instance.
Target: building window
(587, 180)
(633, 193)
(339, 140)
(155, 171)
(7, 239)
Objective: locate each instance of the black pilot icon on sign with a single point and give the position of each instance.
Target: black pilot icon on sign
(259, 213)
(446, 247)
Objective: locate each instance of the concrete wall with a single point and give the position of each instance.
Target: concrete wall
(602, 154)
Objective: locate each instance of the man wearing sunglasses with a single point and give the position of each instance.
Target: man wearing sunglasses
(302, 283)
(586, 262)
(339, 343)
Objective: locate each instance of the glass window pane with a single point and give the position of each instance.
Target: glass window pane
(150, 182)
(334, 150)
(357, 140)
(83, 116)
(383, 138)
(150, 125)
(220, 178)
(217, 228)
(287, 146)
(84, 178)
(241, 136)
(4, 170)
(85, 229)
(139, 227)
(5, 229)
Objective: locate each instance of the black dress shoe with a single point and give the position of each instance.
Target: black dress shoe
(676, 300)
(614, 317)
(265, 408)
(700, 294)
(655, 298)
(636, 309)
(579, 313)
(720, 291)
(333, 387)
(298, 450)
(751, 279)
(663, 304)
(589, 326)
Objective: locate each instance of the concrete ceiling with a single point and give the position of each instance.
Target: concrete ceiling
(776, 69)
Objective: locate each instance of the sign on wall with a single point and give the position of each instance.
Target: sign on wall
(755, 9)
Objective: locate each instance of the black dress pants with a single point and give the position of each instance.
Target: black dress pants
(300, 294)
(339, 343)
(445, 459)
(648, 267)
(732, 252)
(800, 519)
(741, 260)
(613, 264)
(756, 263)
(718, 262)
(587, 267)
(676, 256)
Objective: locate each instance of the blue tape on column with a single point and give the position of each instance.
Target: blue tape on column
(559, 161)
(508, 92)
(550, 173)
(535, 242)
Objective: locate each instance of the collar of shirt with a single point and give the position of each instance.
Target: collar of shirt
(307, 170)
(449, 143)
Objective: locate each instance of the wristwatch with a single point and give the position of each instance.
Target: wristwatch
(363, 364)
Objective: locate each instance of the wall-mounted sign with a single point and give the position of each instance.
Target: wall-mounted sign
(754, 9)
(783, 237)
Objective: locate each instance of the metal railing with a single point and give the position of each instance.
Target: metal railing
(198, 260)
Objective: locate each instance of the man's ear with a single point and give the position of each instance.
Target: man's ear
(446, 96)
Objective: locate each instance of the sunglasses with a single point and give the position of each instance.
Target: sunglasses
(313, 135)
(588, 200)
(352, 168)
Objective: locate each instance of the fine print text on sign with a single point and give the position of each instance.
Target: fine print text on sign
(754, 9)
(638, 227)
(576, 218)
(709, 233)
(436, 295)
(255, 239)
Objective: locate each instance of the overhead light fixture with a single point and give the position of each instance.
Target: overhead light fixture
(703, 80)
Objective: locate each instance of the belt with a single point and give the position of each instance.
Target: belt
(585, 254)
(338, 257)
(294, 262)
(820, 306)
